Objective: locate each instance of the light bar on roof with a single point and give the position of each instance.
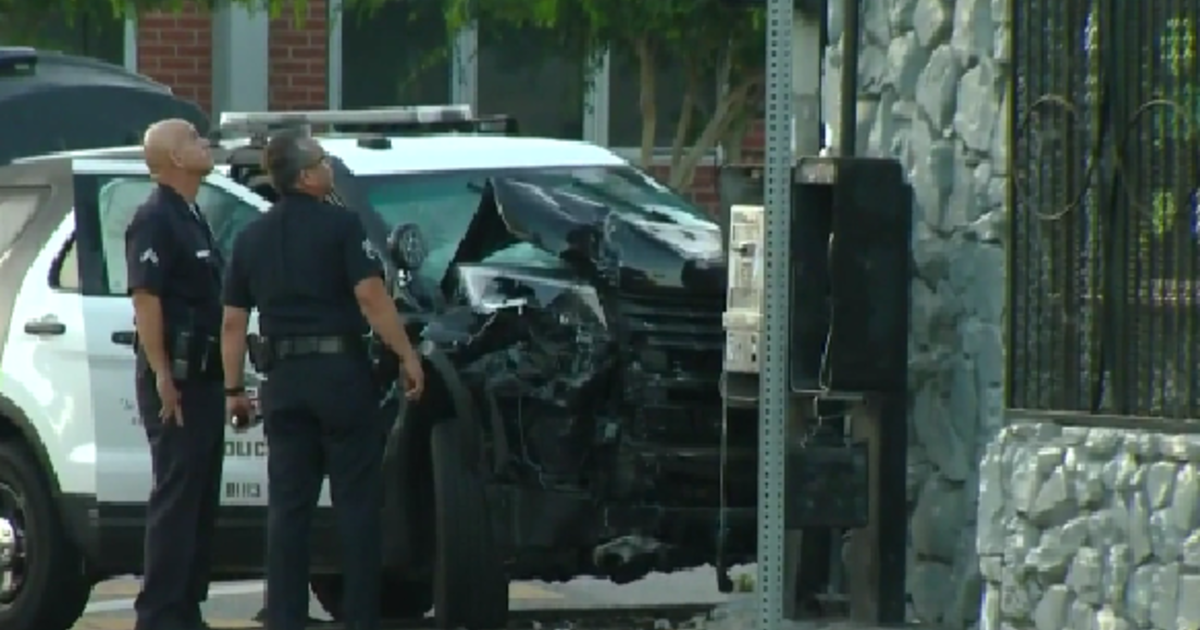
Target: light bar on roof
(261, 122)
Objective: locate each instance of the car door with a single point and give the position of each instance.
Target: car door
(43, 335)
(110, 198)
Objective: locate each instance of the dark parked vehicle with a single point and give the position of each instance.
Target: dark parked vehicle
(52, 102)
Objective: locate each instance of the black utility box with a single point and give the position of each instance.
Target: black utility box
(850, 273)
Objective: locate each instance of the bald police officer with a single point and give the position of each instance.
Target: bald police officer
(310, 270)
(174, 272)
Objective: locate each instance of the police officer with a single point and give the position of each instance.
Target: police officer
(310, 270)
(174, 273)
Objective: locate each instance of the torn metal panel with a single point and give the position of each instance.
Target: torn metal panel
(601, 371)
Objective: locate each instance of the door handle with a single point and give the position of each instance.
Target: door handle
(44, 327)
(123, 337)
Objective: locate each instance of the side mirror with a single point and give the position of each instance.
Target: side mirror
(406, 247)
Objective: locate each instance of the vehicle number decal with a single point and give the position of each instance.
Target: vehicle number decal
(243, 490)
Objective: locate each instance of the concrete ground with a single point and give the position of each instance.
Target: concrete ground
(232, 604)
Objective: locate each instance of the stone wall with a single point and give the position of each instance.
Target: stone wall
(934, 88)
(1085, 528)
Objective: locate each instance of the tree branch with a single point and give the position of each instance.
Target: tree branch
(647, 98)
(684, 124)
(728, 108)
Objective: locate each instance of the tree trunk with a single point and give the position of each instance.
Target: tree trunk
(684, 124)
(734, 139)
(728, 109)
(648, 97)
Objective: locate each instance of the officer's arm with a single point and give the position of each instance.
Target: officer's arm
(148, 256)
(236, 319)
(364, 271)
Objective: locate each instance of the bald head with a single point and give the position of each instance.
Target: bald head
(173, 150)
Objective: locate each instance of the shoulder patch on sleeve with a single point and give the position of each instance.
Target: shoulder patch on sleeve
(369, 249)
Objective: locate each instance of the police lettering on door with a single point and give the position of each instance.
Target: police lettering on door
(243, 490)
(245, 449)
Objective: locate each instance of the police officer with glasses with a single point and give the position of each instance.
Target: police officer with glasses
(317, 282)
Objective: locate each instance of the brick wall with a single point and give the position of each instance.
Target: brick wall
(175, 48)
(703, 191)
(299, 56)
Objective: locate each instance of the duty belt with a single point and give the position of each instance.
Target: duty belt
(302, 346)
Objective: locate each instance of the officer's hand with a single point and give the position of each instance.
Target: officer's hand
(172, 409)
(412, 377)
(240, 411)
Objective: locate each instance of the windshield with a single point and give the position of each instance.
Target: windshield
(442, 205)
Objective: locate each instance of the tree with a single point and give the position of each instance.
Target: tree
(720, 47)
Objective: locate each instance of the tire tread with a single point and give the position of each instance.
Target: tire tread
(61, 594)
(470, 587)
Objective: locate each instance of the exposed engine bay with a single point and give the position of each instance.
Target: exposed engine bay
(584, 332)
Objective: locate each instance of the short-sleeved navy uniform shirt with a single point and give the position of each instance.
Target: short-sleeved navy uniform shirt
(170, 253)
(298, 265)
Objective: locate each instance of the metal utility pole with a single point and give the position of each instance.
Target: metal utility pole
(773, 374)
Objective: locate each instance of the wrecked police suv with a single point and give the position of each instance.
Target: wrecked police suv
(572, 316)
(568, 308)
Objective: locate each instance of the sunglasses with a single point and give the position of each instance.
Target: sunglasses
(319, 160)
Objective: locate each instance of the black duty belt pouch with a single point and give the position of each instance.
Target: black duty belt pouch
(261, 355)
(194, 356)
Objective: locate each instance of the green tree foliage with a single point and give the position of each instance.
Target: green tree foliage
(720, 49)
(20, 19)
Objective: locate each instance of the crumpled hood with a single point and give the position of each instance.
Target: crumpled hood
(641, 250)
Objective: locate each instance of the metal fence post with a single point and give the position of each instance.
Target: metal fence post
(773, 376)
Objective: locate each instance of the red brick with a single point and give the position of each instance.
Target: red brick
(175, 48)
(299, 53)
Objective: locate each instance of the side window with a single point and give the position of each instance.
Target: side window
(17, 206)
(118, 199)
(66, 269)
(226, 216)
(442, 206)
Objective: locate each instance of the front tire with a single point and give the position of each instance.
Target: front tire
(44, 586)
(399, 599)
(470, 589)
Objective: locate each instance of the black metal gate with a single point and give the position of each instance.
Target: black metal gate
(1104, 251)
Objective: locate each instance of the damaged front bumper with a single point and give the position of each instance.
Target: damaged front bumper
(561, 535)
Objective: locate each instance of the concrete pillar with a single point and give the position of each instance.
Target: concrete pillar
(806, 140)
(595, 102)
(806, 84)
(464, 69)
(240, 70)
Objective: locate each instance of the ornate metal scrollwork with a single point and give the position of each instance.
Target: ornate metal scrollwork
(1104, 261)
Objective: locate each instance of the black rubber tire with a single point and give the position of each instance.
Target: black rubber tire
(399, 599)
(57, 587)
(470, 588)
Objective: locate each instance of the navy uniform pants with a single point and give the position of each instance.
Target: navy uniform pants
(181, 514)
(319, 419)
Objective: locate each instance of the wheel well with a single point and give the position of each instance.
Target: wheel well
(437, 404)
(14, 428)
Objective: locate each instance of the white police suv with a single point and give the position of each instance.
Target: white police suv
(74, 462)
